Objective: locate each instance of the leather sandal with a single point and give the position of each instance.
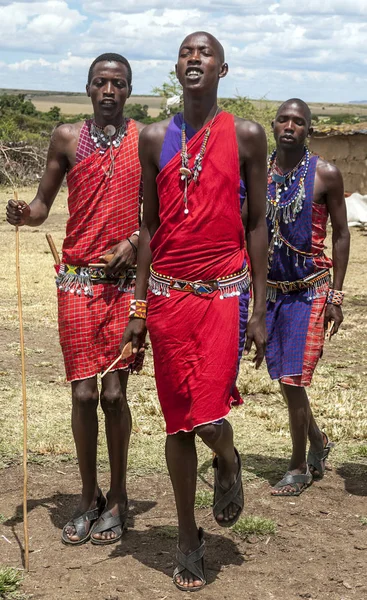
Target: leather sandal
(298, 482)
(109, 522)
(224, 497)
(316, 460)
(83, 524)
(193, 563)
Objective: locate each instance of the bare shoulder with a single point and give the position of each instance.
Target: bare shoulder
(65, 134)
(139, 126)
(328, 173)
(154, 131)
(249, 131)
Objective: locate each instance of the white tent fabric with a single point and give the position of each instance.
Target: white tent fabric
(356, 209)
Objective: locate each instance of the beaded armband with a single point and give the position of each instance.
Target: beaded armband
(335, 297)
(138, 309)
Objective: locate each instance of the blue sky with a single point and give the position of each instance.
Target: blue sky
(279, 49)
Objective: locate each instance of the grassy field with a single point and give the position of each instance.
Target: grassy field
(74, 103)
(338, 393)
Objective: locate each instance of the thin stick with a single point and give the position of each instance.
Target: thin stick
(126, 353)
(111, 366)
(54, 252)
(330, 328)
(24, 396)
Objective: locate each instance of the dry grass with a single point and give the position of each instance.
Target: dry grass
(80, 103)
(338, 393)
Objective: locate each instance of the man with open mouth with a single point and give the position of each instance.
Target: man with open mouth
(191, 276)
(100, 158)
(303, 190)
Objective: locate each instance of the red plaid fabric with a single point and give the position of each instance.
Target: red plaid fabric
(91, 329)
(103, 211)
(314, 344)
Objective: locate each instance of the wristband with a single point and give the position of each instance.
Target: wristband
(133, 246)
(335, 297)
(138, 309)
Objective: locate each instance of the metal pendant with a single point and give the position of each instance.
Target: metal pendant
(109, 130)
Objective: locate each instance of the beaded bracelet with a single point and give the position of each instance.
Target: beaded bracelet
(133, 246)
(138, 309)
(335, 297)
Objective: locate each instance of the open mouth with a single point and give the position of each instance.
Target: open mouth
(108, 103)
(193, 73)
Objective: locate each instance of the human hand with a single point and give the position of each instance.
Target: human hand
(135, 333)
(333, 319)
(17, 212)
(256, 333)
(124, 256)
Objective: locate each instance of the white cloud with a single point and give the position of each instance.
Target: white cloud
(272, 48)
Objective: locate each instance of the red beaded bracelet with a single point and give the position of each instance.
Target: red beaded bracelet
(335, 297)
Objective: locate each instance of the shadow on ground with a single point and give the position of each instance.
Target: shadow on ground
(156, 549)
(355, 478)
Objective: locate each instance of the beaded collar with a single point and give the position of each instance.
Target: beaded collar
(109, 136)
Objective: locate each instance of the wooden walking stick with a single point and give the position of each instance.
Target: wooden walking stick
(24, 396)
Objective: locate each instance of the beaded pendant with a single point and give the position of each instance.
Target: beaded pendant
(188, 173)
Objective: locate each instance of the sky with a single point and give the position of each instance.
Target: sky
(276, 50)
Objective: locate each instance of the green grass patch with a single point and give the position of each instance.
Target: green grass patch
(167, 531)
(363, 520)
(203, 499)
(10, 580)
(2, 518)
(254, 526)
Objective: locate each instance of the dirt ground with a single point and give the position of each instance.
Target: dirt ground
(319, 550)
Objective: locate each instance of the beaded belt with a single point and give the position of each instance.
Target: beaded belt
(78, 280)
(231, 285)
(313, 283)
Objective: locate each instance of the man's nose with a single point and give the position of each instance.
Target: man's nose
(109, 89)
(289, 126)
(195, 57)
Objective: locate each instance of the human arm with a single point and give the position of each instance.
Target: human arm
(136, 329)
(254, 148)
(34, 214)
(332, 181)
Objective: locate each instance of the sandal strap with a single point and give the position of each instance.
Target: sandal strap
(191, 562)
(79, 523)
(290, 479)
(314, 459)
(108, 521)
(233, 495)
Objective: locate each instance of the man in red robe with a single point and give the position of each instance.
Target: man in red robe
(100, 158)
(192, 251)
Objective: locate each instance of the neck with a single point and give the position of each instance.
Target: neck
(199, 110)
(101, 120)
(288, 158)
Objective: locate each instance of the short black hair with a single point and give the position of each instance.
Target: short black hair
(302, 105)
(111, 57)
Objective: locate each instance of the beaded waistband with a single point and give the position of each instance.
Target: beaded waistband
(231, 285)
(80, 280)
(313, 283)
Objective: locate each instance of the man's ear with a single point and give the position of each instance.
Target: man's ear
(130, 90)
(87, 89)
(310, 131)
(272, 125)
(176, 69)
(223, 70)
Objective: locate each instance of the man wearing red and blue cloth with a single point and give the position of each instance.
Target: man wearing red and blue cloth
(100, 159)
(303, 191)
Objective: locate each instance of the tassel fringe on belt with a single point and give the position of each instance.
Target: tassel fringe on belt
(314, 284)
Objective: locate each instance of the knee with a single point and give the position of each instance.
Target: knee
(113, 401)
(85, 398)
(209, 433)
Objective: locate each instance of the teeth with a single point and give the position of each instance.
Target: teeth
(194, 73)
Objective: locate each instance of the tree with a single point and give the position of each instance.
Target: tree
(169, 90)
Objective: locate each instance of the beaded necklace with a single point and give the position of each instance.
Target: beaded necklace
(188, 173)
(108, 137)
(289, 196)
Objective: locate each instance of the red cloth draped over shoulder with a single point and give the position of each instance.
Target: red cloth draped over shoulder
(195, 338)
(103, 211)
(209, 241)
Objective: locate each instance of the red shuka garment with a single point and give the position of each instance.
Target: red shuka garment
(195, 338)
(103, 212)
